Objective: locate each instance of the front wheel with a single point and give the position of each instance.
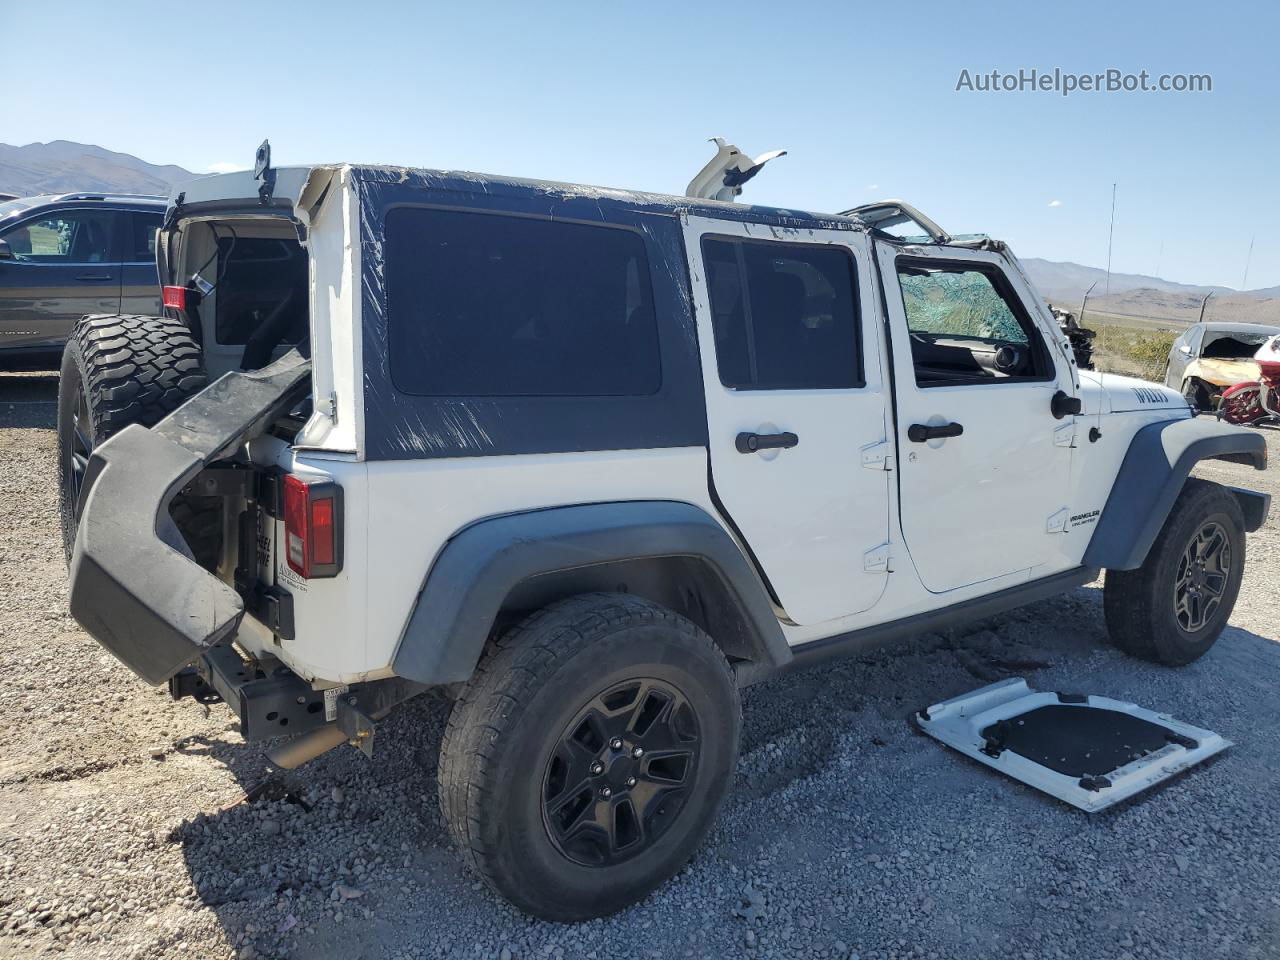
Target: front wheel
(588, 756)
(1173, 608)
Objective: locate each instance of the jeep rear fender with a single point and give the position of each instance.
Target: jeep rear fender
(528, 559)
(1160, 458)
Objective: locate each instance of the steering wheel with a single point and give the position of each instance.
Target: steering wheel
(1009, 358)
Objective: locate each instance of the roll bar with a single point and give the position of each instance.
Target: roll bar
(889, 213)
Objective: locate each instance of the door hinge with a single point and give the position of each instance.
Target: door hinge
(878, 456)
(329, 406)
(878, 560)
(1065, 435)
(1057, 523)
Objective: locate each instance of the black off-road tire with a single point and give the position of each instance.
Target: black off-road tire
(496, 759)
(1141, 605)
(120, 370)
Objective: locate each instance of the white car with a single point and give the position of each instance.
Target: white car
(1210, 357)
(589, 461)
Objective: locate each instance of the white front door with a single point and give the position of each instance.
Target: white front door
(796, 408)
(985, 464)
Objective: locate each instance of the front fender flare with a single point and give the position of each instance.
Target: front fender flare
(1160, 458)
(478, 568)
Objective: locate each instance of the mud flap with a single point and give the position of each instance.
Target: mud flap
(134, 585)
(1090, 751)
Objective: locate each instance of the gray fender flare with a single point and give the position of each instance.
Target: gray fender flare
(1157, 464)
(478, 568)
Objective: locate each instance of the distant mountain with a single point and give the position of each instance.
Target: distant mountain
(1075, 278)
(1152, 298)
(62, 166)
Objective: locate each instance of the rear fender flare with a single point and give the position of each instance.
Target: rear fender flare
(1157, 464)
(475, 573)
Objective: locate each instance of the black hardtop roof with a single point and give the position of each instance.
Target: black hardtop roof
(291, 180)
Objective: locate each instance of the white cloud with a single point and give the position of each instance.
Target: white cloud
(226, 167)
(873, 186)
(1055, 203)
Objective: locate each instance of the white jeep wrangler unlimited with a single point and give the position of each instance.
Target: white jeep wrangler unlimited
(590, 461)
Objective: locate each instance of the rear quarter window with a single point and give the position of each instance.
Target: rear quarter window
(492, 305)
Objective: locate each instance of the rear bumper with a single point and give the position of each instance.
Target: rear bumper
(134, 585)
(270, 700)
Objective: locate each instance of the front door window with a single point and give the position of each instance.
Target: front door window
(74, 237)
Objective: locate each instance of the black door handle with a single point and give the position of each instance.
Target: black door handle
(94, 276)
(919, 433)
(753, 442)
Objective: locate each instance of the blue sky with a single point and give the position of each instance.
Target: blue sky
(625, 94)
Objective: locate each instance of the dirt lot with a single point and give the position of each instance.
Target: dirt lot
(124, 831)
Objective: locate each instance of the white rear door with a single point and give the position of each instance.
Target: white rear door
(985, 464)
(789, 340)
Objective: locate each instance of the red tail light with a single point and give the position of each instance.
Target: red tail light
(175, 297)
(312, 527)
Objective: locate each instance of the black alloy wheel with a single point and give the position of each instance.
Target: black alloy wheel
(1203, 574)
(618, 777)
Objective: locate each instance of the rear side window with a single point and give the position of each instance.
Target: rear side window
(784, 315)
(141, 237)
(487, 305)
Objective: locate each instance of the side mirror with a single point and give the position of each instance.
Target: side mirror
(1062, 405)
(6, 253)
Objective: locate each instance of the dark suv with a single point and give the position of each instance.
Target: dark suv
(62, 257)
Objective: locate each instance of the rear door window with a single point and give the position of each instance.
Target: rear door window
(784, 314)
(140, 236)
(490, 305)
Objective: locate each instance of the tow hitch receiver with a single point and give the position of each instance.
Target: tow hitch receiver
(1090, 751)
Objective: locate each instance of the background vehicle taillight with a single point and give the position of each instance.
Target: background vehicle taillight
(312, 527)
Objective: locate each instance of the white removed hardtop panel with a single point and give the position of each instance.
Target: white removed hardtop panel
(1090, 751)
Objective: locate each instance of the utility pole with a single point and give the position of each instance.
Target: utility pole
(1111, 234)
(1086, 300)
(1244, 284)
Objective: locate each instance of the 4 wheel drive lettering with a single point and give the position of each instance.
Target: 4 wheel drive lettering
(588, 566)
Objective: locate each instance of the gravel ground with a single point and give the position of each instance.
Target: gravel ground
(125, 829)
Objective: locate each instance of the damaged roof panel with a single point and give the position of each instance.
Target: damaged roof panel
(291, 182)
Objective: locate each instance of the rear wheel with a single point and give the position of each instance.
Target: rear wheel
(1174, 607)
(588, 757)
(116, 371)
